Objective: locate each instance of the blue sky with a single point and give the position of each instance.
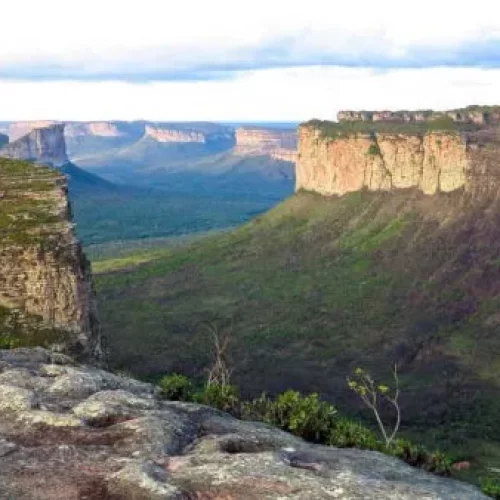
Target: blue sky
(229, 60)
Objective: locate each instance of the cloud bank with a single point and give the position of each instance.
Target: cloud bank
(158, 40)
(226, 60)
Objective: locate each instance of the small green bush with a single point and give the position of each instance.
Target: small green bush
(176, 387)
(491, 487)
(350, 434)
(436, 462)
(304, 416)
(374, 150)
(222, 397)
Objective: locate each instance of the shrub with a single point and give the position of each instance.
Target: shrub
(305, 416)
(221, 396)
(374, 150)
(491, 487)
(349, 434)
(176, 387)
(417, 456)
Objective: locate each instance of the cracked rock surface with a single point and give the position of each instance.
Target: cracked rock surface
(75, 432)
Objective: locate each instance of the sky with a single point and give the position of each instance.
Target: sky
(220, 60)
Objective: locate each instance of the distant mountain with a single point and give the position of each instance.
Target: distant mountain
(47, 146)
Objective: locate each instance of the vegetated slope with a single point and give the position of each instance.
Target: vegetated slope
(321, 285)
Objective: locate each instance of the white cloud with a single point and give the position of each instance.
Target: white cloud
(273, 95)
(125, 37)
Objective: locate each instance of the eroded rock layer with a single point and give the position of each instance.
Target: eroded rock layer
(71, 432)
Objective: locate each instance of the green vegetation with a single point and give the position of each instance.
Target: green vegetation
(336, 130)
(374, 150)
(27, 211)
(305, 416)
(371, 394)
(176, 387)
(491, 487)
(19, 329)
(318, 286)
(140, 217)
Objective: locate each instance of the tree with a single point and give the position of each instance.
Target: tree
(370, 393)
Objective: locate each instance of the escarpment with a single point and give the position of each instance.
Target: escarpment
(279, 144)
(43, 145)
(46, 295)
(338, 162)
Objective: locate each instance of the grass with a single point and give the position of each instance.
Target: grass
(28, 210)
(334, 130)
(320, 285)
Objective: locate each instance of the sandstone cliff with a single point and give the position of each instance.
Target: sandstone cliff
(43, 145)
(432, 162)
(45, 283)
(73, 432)
(279, 144)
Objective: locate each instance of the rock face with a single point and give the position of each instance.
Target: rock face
(433, 162)
(71, 432)
(4, 140)
(44, 276)
(279, 144)
(43, 145)
(185, 135)
(17, 130)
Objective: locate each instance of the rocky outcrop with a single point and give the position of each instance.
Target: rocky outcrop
(42, 145)
(279, 144)
(70, 432)
(479, 115)
(45, 285)
(432, 162)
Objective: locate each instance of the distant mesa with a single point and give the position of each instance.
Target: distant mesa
(279, 144)
(385, 150)
(42, 145)
(99, 129)
(479, 115)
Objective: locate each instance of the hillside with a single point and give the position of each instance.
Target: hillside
(398, 264)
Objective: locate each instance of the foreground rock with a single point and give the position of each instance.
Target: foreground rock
(75, 432)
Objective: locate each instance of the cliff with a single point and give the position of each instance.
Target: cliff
(45, 285)
(279, 144)
(4, 140)
(16, 130)
(43, 145)
(335, 162)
